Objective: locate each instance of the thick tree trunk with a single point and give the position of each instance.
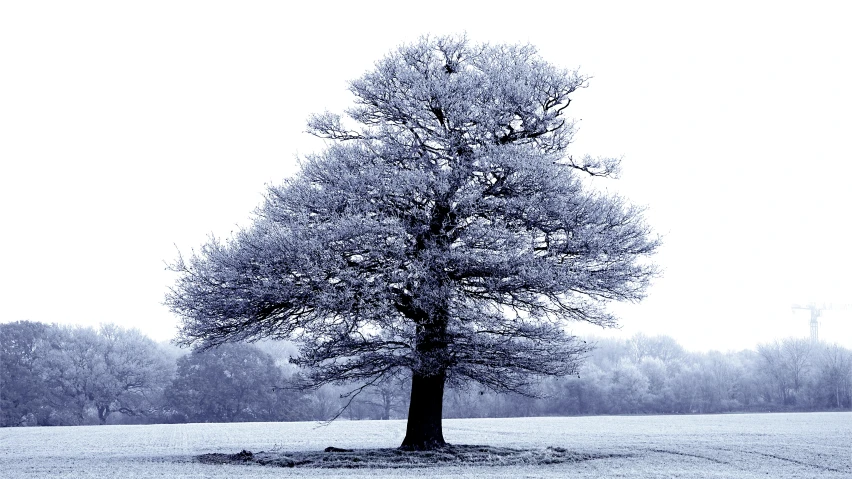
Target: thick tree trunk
(426, 407)
(425, 413)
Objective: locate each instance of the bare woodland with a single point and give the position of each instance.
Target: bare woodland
(56, 375)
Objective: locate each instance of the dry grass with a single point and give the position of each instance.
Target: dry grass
(387, 458)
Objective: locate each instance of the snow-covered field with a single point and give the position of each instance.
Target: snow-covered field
(735, 446)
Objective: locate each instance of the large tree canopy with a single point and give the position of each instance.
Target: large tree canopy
(444, 231)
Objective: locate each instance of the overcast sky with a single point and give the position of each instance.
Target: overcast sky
(132, 130)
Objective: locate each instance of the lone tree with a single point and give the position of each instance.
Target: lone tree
(445, 232)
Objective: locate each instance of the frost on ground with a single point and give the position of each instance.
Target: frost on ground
(451, 455)
(806, 445)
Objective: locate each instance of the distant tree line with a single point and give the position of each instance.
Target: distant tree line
(52, 375)
(655, 375)
(59, 375)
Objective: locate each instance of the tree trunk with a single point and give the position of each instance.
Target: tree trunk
(425, 409)
(387, 399)
(425, 412)
(103, 413)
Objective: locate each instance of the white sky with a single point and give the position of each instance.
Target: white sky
(129, 130)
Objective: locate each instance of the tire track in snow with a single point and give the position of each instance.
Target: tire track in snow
(678, 453)
(787, 459)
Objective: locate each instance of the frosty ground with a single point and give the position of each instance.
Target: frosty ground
(742, 445)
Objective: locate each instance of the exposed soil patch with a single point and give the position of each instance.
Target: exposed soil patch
(451, 455)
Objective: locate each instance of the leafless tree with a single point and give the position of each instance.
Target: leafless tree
(786, 363)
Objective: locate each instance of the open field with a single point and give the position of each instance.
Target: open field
(735, 446)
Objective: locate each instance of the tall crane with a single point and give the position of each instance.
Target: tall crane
(816, 310)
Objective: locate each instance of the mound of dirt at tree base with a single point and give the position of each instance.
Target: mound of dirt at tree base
(451, 455)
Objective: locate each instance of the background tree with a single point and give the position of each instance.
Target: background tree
(786, 364)
(663, 348)
(448, 233)
(832, 385)
(629, 387)
(235, 382)
(776, 384)
(23, 389)
(76, 372)
(797, 362)
(135, 373)
(659, 396)
(386, 398)
(110, 370)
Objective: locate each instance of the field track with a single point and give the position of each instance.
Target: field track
(812, 445)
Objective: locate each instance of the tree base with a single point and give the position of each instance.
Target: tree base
(425, 412)
(424, 445)
(450, 455)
